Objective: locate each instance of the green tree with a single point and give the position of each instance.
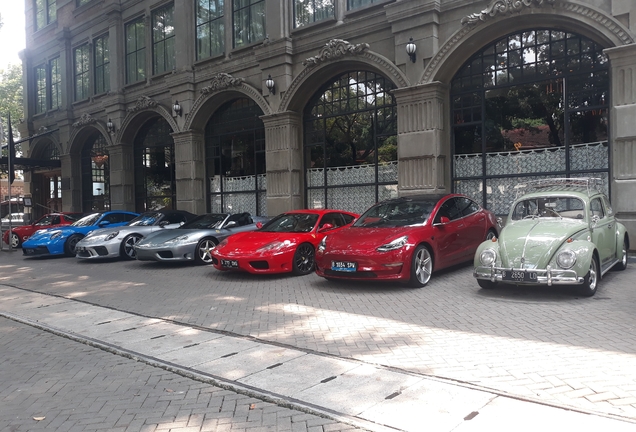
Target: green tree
(10, 102)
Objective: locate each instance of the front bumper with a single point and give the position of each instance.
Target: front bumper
(177, 253)
(97, 251)
(548, 276)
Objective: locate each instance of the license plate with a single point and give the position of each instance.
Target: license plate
(345, 266)
(519, 276)
(80, 248)
(229, 263)
(29, 251)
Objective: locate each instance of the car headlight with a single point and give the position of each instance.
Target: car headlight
(275, 246)
(323, 244)
(56, 234)
(177, 239)
(488, 257)
(112, 235)
(566, 259)
(395, 244)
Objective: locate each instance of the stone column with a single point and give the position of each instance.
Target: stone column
(71, 183)
(423, 139)
(623, 133)
(284, 162)
(190, 174)
(122, 177)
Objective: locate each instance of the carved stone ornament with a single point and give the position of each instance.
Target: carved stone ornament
(334, 49)
(84, 120)
(222, 81)
(143, 103)
(504, 7)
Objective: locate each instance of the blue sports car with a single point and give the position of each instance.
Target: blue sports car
(62, 240)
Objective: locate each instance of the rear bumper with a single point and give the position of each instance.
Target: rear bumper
(546, 276)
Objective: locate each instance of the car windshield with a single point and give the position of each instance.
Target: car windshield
(292, 223)
(396, 214)
(89, 220)
(549, 206)
(206, 221)
(146, 219)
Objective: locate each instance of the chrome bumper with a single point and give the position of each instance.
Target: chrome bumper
(546, 276)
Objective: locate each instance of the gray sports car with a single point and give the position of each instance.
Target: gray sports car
(119, 241)
(194, 240)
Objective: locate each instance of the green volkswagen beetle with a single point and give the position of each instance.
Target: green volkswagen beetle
(559, 232)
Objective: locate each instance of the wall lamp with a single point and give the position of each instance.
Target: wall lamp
(177, 108)
(110, 126)
(270, 84)
(410, 49)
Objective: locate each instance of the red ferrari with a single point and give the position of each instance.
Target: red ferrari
(287, 243)
(51, 220)
(406, 239)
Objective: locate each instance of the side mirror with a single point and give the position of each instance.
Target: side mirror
(104, 223)
(259, 225)
(231, 224)
(325, 227)
(442, 221)
(595, 220)
(164, 223)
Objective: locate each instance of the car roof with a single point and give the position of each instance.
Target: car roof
(168, 212)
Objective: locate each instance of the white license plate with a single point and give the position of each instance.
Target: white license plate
(344, 266)
(229, 263)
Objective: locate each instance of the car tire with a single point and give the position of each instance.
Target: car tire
(127, 248)
(491, 234)
(486, 284)
(421, 267)
(71, 242)
(15, 240)
(622, 264)
(304, 260)
(202, 254)
(591, 280)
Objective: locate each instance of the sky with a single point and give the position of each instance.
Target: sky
(12, 39)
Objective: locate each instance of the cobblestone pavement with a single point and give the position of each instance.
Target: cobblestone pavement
(542, 344)
(51, 383)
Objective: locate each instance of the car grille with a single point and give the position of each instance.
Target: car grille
(83, 254)
(260, 265)
(101, 250)
(40, 250)
(165, 254)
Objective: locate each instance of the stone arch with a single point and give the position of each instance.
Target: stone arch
(39, 144)
(321, 68)
(490, 25)
(79, 136)
(138, 115)
(213, 97)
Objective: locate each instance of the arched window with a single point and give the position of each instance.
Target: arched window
(155, 186)
(531, 105)
(235, 158)
(95, 175)
(350, 139)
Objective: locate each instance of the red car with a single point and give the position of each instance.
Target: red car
(287, 243)
(51, 220)
(406, 239)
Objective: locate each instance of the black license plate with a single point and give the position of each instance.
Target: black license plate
(29, 251)
(80, 249)
(229, 263)
(344, 266)
(519, 276)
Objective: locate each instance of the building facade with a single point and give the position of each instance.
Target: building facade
(270, 105)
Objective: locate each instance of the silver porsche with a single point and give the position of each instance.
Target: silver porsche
(194, 240)
(119, 241)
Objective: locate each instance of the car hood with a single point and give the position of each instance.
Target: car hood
(251, 241)
(362, 240)
(535, 240)
(46, 233)
(102, 233)
(159, 238)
